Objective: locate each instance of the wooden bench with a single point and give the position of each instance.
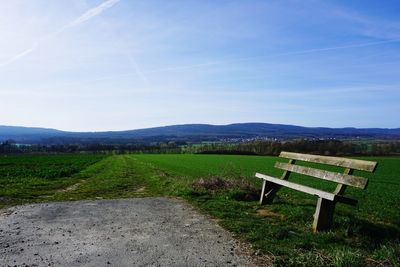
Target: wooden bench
(323, 216)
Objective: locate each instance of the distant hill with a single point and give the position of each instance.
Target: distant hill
(191, 133)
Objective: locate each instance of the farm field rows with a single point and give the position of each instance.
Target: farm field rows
(28, 178)
(368, 234)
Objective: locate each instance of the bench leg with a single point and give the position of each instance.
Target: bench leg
(323, 217)
(268, 192)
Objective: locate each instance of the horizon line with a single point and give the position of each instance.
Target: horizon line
(186, 124)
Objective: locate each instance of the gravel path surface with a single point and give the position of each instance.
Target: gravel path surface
(128, 232)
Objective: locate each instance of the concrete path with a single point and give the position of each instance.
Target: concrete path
(128, 232)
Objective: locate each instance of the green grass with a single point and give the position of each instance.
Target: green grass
(29, 179)
(368, 234)
(32, 178)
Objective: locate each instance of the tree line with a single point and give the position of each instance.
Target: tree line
(320, 147)
(260, 147)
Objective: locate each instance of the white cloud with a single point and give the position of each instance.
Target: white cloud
(91, 13)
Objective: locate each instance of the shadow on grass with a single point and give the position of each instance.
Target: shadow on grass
(371, 234)
(374, 234)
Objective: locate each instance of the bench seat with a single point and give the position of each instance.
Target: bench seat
(309, 190)
(298, 187)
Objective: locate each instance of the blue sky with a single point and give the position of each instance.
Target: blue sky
(115, 65)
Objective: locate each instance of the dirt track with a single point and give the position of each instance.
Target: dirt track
(129, 232)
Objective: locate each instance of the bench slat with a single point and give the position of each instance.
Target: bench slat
(362, 165)
(298, 187)
(355, 181)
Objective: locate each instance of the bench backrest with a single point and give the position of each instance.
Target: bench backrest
(345, 178)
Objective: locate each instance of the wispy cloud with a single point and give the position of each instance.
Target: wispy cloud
(368, 26)
(19, 55)
(93, 13)
(89, 14)
(144, 74)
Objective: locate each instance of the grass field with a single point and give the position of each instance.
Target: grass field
(368, 234)
(30, 178)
